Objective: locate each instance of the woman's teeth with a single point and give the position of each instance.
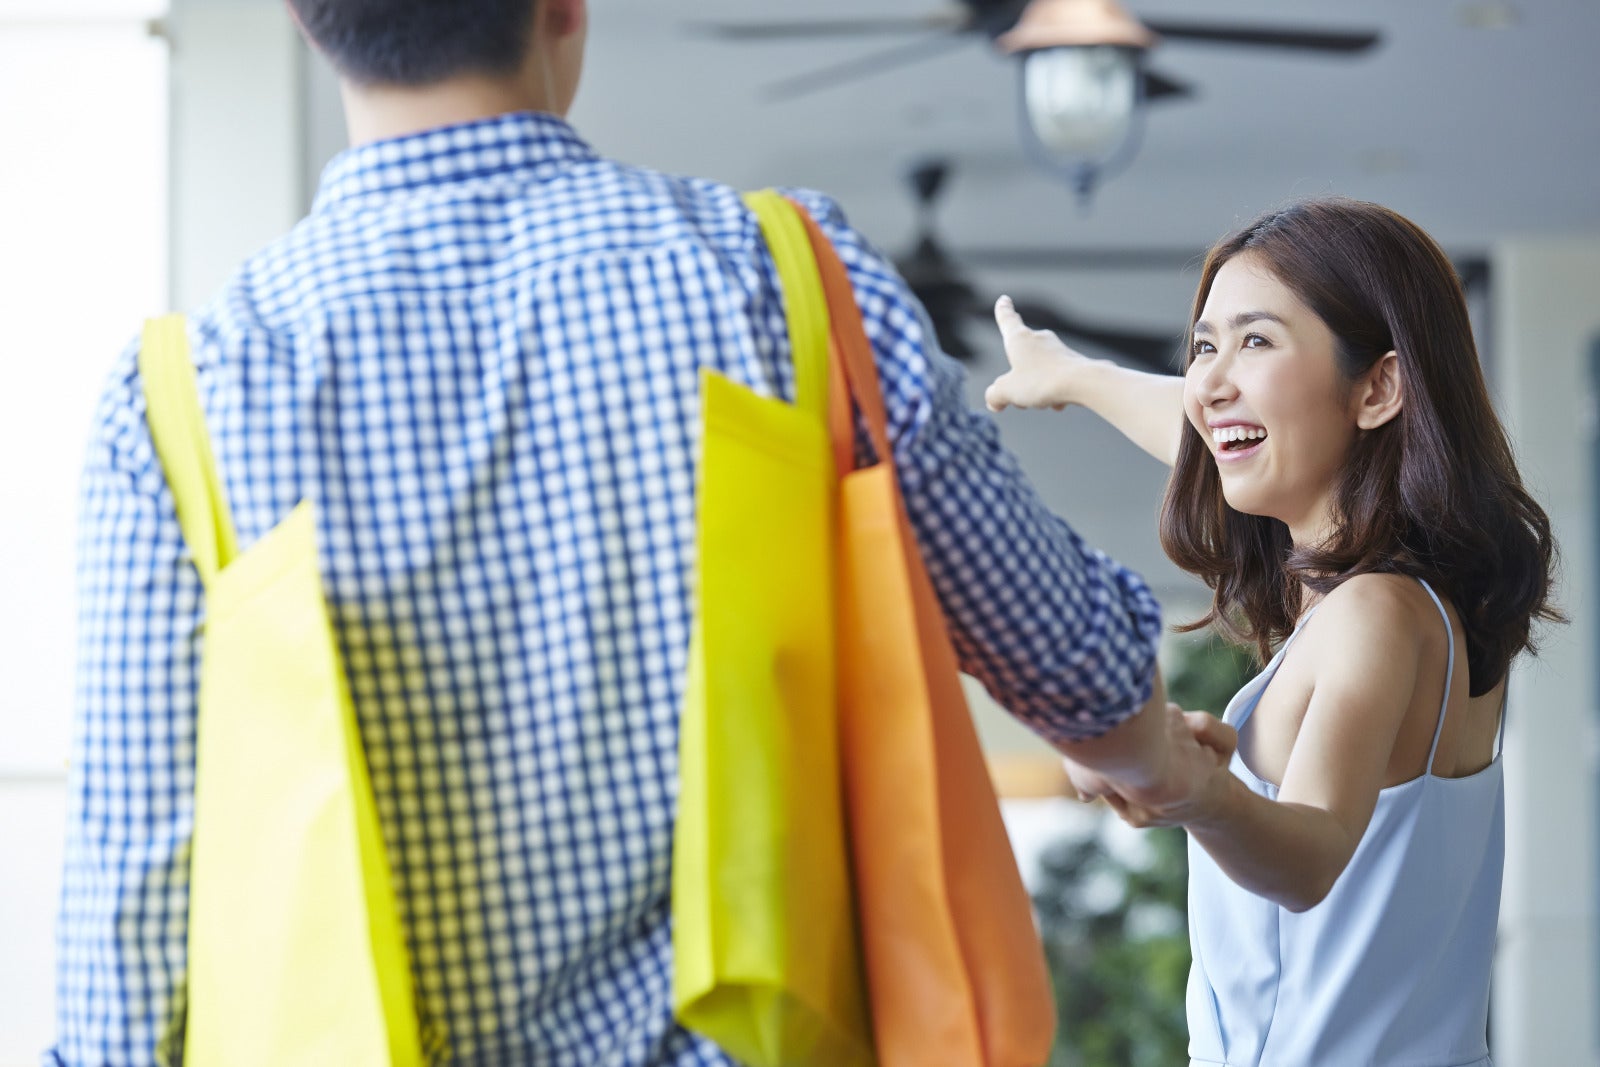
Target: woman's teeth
(1225, 436)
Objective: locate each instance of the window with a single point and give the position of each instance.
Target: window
(83, 197)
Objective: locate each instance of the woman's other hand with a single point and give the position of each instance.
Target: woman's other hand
(1043, 369)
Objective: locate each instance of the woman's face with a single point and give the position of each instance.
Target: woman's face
(1265, 394)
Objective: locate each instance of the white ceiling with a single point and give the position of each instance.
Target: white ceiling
(1476, 134)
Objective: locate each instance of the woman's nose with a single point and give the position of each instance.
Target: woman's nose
(1216, 382)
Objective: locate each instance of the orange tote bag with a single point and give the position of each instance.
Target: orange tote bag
(955, 968)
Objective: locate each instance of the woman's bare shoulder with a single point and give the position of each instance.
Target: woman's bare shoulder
(1387, 615)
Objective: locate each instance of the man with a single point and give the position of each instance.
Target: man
(478, 355)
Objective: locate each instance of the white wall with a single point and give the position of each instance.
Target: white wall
(238, 171)
(1547, 317)
(83, 218)
(33, 809)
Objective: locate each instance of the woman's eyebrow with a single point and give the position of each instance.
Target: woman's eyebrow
(1244, 318)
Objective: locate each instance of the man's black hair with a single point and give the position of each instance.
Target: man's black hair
(417, 42)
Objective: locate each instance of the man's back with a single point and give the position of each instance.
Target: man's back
(479, 358)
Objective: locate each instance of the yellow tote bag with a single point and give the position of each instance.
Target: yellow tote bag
(296, 956)
(766, 958)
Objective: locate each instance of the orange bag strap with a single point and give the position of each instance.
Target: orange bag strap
(853, 382)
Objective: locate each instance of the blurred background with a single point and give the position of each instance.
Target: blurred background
(152, 144)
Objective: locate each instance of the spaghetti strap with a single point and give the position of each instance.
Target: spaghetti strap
(1264, 679)
(1500, 731)
(1449, 673)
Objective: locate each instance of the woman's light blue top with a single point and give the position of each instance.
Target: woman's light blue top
(1392, 968)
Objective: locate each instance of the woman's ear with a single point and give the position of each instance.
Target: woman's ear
(1379, 395)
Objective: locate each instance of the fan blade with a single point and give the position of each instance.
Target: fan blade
(1156, 353)
(1160, 87)
(1173, 259)
(954, 20)
(1345, 41)
(1474, 273)
(950, 301)
(862, 66)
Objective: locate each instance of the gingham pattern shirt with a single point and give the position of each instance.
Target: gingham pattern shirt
(478, 356)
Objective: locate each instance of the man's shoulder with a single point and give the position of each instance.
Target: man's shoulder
(711, 208)
(714, 208)
(598, 207)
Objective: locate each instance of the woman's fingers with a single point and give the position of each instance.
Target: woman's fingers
(1040, 365)
(995, 396)
(1212, 732)
(1006, 317)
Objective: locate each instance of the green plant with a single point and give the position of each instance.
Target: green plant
(1114, 932)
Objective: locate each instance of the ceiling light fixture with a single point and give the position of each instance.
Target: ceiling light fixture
(1081, 85)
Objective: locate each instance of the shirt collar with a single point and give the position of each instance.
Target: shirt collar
(518, 141)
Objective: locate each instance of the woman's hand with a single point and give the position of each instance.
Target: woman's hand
(1146, 408)
(1199, 748)
(1043, 369)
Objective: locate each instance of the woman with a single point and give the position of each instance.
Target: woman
(1342, 484)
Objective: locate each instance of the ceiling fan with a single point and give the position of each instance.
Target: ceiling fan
(954, 306)
(945, 29)
(1084, 76)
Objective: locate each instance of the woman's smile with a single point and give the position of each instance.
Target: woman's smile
(1236, 441)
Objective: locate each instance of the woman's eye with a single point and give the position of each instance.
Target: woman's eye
(1255, 340)
(1200, 348)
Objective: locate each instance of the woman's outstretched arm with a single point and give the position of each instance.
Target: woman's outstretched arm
(1046, 373)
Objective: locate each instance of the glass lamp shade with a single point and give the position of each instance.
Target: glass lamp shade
(1080, 101)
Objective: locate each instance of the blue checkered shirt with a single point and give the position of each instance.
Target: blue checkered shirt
(478, 356)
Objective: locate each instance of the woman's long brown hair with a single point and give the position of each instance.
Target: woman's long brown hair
(1433, 493)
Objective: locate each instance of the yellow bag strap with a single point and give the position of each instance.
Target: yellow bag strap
(178, 431)
(804, 305)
